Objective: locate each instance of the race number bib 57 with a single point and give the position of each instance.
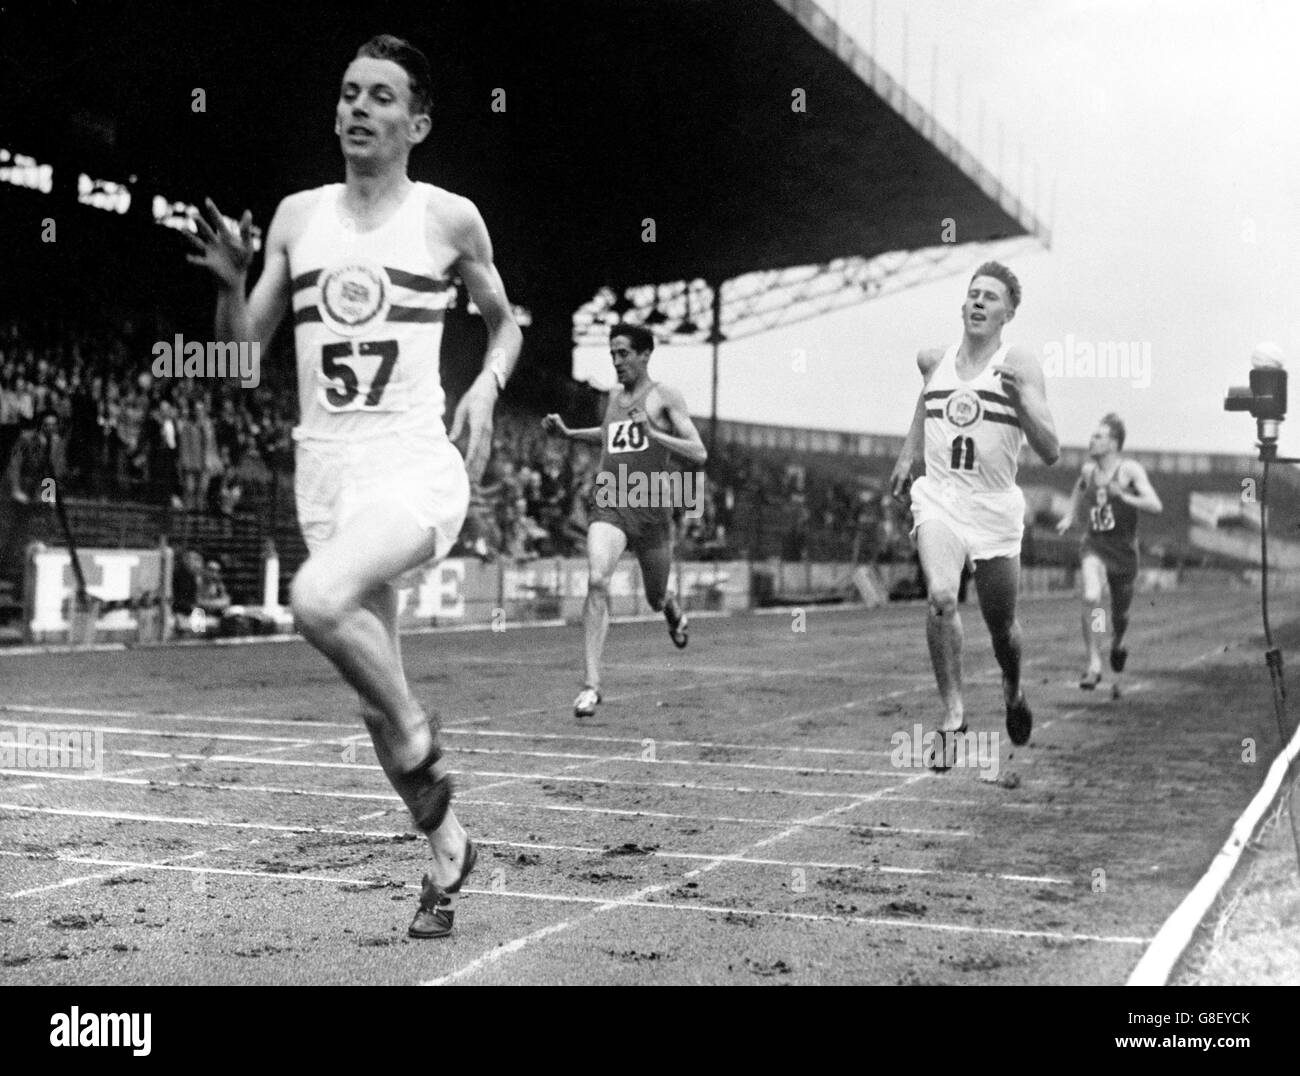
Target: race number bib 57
(627, 436)
(361, 377)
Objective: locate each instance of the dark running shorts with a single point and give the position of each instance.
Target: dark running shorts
(1121, 563)
(646, 528)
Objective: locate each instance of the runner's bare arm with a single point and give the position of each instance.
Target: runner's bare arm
(914, 442)
(1023, 382)
(228, 256)
(554, 424)
(1145, 497)
(1076, 496)
(684, 441)
(475, 265)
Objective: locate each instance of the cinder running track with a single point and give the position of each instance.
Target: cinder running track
(732, 814)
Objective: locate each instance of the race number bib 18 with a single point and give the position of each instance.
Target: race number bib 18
(1103, 518)
(361, 377)
(627, 436)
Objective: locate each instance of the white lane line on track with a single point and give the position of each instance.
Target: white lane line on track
(203, 734)
(379, 796)
(607, 855)
(517, 944)
(532, 711)
(80, 878)
(453, 731)
(690, 786)
(602, 903)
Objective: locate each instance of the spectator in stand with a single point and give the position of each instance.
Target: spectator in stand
(187, 578)
(161, 447)
(212, 466)
(213, 597)
(191, 456)
(130, 423)
(83, 431)
(10, 415)
(225, 493)
(39, 455)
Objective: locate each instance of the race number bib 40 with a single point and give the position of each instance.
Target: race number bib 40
(626, 436)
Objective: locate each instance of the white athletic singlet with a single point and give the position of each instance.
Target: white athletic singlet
(972, 433)
(368, 309)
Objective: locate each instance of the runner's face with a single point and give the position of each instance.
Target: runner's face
(986, 308)
(629, 364)
(373, 118)
(1101, 442)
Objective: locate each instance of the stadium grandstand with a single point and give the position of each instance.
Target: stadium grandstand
(208, 468)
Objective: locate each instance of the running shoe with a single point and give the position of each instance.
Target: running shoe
(1020, 720)
(677, 629)
(585, 704)
(437, 912)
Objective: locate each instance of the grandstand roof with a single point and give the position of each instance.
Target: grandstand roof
(676, 110)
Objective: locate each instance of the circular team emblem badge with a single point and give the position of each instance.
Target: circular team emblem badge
(963, 408)
(353, 297)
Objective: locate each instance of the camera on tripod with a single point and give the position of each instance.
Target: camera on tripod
(1265, 398)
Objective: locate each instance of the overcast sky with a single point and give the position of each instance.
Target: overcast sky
(1173, 130)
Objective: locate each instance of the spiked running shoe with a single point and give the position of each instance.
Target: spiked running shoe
(586, 702)
(1090, 679)
(945, 748)
(437, 911)
(678, 629)
(1118, 658)
(1020, 720)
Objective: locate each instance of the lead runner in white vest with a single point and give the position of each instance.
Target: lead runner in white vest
(381, 489)
(981, 400)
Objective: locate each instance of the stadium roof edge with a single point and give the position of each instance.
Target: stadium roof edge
(824, 29)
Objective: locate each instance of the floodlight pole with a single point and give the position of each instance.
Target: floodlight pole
(715, 338)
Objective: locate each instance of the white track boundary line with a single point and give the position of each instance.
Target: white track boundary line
(609, 856)
(690, 786)
(1172, 938)
(390, 797)
(307, 741)
(602, 903)
(80, 878)
(452, 731)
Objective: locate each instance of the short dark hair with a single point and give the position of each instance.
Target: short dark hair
(409, 59)
(998, 271)
(1116, 426)
(642, 338)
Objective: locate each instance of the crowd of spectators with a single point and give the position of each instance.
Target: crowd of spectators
(183, 443)
(206, 445)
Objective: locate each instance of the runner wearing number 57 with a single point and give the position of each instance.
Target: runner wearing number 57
(365, 268)
(981, 400)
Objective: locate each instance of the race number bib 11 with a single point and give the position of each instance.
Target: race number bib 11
(626, 436)
(361, 377)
